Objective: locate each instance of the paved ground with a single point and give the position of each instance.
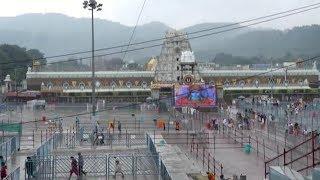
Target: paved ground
(34, 132)
(234, 160)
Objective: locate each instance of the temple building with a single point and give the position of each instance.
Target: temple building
(175, 64)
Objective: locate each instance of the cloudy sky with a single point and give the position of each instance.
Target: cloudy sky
(175, 13)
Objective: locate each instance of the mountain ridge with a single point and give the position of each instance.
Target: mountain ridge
(56, 34)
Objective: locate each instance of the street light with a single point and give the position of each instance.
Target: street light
(91, 6)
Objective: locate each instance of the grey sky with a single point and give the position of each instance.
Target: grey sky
(175, 13)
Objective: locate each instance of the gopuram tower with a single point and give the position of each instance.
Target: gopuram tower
(170, 68)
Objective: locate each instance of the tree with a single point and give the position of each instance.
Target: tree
(35, 54)
(15, 61)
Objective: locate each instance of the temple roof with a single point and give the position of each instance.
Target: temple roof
(151, 74)
(87, 74)
(267, 72)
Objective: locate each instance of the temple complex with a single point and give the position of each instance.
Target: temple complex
(175, 64)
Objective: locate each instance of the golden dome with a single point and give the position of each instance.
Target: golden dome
(151, 65)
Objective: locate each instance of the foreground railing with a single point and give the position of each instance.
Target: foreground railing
(9, 147)
(297, 161)
(14, 175)
(95, 166)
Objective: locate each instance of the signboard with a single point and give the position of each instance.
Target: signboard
(13, 127)
(195, 95)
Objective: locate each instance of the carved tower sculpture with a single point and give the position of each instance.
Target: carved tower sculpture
(168, 67)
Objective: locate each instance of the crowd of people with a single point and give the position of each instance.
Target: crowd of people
(98, 133)
(291, 111)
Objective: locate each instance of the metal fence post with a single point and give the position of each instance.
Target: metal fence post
(242, 137)
(197, 152)
(107, 166)
(168, 124)
(214, 165)
(154, 136)
(41, 136)
(53, 165)
(33, 138)
(235, 136)
(6, 151)
(313, 150)
(284, 156)
(67, 138)
(275, 133)
(127, 138)
(214, 143)
(278, 153)
(133, 166)
(264, 150)
(209, 162)
(111, 139)
(203, 157)
(187, 136)
(291, 159)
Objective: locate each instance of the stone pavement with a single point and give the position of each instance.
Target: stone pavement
(231, 155)
(236, 161)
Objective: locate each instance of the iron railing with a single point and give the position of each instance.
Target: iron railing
(14, 175)
(95, 166)
(9, 147)
(302, 161)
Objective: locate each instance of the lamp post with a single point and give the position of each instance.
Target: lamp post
(92, 5)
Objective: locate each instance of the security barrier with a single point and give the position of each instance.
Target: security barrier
(59, 167)
(14, 175)
(9, 147)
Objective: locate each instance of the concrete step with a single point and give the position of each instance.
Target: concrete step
(316, 173)
(284, 173)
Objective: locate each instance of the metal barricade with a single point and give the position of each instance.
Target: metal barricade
(94, 166)
(132, 165)
(59, 167)
(85, 139)
(8, 148)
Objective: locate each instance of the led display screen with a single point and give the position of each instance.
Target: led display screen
(195, 95)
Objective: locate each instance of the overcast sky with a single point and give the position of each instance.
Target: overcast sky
(175, 13)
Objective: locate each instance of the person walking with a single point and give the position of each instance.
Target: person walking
(3, 171)
(210, 176)
(29, 167)
(1, 160)
(119, 127)
(74, 167)
(81, 165)
(118, 169)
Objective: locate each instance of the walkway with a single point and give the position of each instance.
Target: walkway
(177, 163)
(236, 161)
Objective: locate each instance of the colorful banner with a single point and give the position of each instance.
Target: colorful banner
(195, 95)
